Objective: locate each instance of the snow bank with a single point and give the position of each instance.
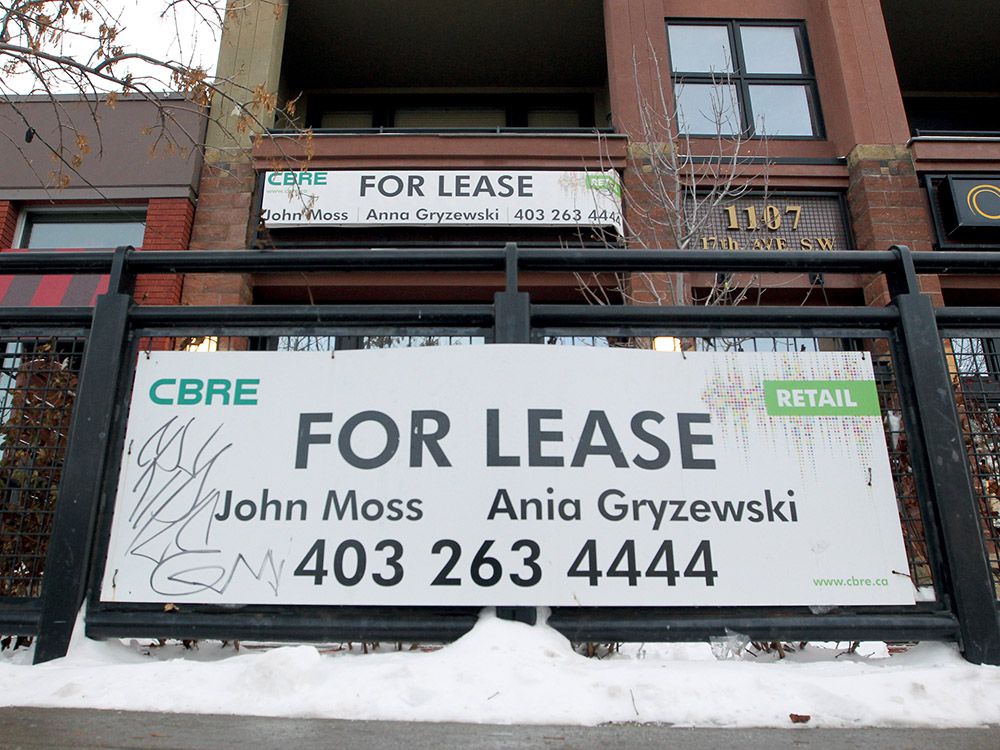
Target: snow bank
(504, 672)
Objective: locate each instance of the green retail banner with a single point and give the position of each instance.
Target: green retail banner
(821, 398)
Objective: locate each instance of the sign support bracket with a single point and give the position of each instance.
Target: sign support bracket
(512, 325)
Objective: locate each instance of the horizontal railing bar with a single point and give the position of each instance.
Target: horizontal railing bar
(422, 625)
(603, 626)
(501, 130)
(415, 316)
(298, 330)
(582, 316)
(967, 316)
(576, 316)
(957, 262)
(298, 261)
(46, 316)
(18, 621)
(491, 259)
(578, 625)
(256, 261)
(612, 260)
(629, 331)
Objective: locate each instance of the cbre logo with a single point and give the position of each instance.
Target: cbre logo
(210, 392)
(304, 177)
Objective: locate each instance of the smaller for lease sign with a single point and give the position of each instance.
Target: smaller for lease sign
(506, 475)
(441, 198)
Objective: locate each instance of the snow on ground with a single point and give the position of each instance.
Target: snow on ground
(504, 672)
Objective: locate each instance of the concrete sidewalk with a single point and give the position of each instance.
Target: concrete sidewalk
(56, 728)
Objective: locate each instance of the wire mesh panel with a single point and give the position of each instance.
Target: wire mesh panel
(38, 385)
(304, 343)
(700, 344)
(901, 462)
(974, 364)
(762, 344)
(319, 342)
(404, 342)
(598, 341)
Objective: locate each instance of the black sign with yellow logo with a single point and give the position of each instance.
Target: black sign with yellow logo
(970, 209)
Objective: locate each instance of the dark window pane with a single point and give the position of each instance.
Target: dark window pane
(553, 118)
(450, 117)
(353, 119)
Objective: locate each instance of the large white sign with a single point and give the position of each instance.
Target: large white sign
(506, 475)
(442, 198)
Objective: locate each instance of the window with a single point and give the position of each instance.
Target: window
(82, 229)
(743, 77)
(442, 111)
(449, 117)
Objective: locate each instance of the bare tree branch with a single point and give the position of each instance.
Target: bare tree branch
(678, 183)
(53, 47)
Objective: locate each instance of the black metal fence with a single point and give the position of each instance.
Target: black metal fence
(939, 406)
(974, 365)
(38, 381)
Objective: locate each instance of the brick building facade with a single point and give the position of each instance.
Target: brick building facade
(864, 108)
(865, 131)
(739, 125)
(131, 188)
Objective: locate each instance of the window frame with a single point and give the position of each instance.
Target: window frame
(29, 215)
(742, 81)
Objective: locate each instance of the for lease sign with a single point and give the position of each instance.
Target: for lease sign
(506, 475)
(441, 198)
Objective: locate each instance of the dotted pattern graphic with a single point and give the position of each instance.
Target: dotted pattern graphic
(734, 396)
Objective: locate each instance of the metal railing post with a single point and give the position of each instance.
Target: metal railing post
(512, 307)
(970, 579)
(72, 541)
(512, 325)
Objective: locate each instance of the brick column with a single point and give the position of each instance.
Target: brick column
(8, 223)
(168, 227)
(888, 207)
(221, 223)
(250, 63)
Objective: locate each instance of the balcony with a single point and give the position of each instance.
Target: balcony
(944, 55)
(447, 65)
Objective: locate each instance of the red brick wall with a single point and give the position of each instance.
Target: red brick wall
(168, 227)
(8, 223)
(168, 224)
(888, 206)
